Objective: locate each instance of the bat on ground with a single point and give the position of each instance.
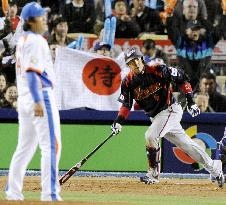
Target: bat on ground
(77, 166)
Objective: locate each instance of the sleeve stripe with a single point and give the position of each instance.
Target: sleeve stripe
(124, 111)
(35, 70)
(186, 88)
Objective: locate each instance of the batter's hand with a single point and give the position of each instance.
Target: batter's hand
(116, 128)
(38, 110)
(193, 110)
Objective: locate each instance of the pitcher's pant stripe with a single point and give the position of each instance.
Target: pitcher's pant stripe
(53, 144)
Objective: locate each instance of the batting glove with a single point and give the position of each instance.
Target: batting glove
(116, 128)
(193, 110)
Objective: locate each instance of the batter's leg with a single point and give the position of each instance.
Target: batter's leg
(152, 137)
(181, 140)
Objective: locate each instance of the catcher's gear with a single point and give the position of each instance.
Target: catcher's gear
(116, 128)
(193, 110)
(132, 54)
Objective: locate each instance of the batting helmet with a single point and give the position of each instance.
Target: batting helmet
(32, 9)
(132, 54)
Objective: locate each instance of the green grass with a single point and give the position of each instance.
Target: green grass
(133, 199)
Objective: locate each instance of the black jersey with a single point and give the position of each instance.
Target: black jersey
(152, 88)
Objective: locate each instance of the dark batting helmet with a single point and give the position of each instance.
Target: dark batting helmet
(133, 53)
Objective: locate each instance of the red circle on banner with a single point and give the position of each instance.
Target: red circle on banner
(102, 76)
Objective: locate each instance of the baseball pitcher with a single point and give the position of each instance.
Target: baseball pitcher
(149, 85)
(39, 123)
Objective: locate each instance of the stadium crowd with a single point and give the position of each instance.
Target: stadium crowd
(193, 26)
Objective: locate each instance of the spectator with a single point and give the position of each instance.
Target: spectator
(147, 18)
(99, 24)
(58, 36)
(9, 22)
(80, 15)
(208, 86)
(202, 101)
(158, 4)
(10, 97)
(189, 12)
(3, 85)
(8, 62)
(213, 10)
(14, 18)
(192, 9)
(207, 9)
(126, 26)
(102, 48)
(194, 42)
(54, 5)
(151, 52)
(59, 32)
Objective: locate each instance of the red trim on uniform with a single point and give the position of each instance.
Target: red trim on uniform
(186, 88)
(124, 111)
(153, 69)
(165, 123)
(136, 106)
(57, 146)
(35, 70)
(129, 78)
(170, 90)
(158, 159)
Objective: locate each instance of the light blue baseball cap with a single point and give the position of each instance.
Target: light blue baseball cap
(32, 9)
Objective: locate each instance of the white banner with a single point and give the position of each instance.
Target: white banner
(86, 79)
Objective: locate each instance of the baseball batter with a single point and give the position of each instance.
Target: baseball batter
(39, 123)
(221, 152)
(149, 84)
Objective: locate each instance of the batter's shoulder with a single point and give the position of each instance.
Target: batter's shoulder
(155, 67)
(128, 78)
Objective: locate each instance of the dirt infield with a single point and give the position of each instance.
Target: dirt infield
(131, 186)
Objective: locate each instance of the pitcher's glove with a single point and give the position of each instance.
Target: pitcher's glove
(116, 128)
(193, 110)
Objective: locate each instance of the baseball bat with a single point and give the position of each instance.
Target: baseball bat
(77, 166)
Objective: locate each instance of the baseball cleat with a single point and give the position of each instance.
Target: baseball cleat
(149, 180)
(152, 176)
(220, 180)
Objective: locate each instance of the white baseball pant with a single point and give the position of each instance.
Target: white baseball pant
(167, 124)
(33, 131)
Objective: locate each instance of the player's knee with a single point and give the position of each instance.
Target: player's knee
(151, 141)
(186, 146)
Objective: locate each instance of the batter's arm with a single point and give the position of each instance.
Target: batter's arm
(127, 101)
(178, 77)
